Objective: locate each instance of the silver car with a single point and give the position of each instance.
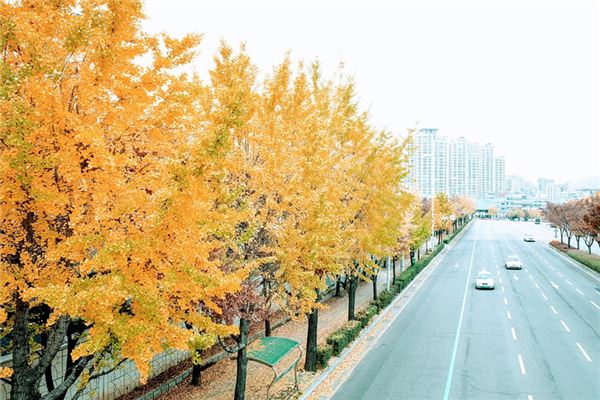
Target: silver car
(484, 280)
(513, 262)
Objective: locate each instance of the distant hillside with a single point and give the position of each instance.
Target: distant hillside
(593, 182)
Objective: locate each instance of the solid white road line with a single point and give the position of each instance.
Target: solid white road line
(569, 282)
(521, 364)
(595, 305)
(584, 352)
(579, 291)
(508, 314)
(460, 320)
(505, 301)
(544, 296)
(565, 326)
(514, 335)
(554, 310)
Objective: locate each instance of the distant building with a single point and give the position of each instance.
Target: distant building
(455, 167)
(499, 175)
(429, 163)
(459, 173)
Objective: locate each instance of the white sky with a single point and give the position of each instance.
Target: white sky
(523, 75)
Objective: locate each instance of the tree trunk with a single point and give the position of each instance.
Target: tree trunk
(267, 327)
(338, 286)
(569, 241)
(374, 278)
(578, 238)
(242, 361)
(24, 386)
(561, 236)
(352, 283)
(393, 270)
(412, 258)
(196, 374)
(419, 253)
(310, 363)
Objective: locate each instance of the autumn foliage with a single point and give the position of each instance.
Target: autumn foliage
(142, 209)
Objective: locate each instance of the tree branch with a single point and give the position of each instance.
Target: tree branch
(66, 384)
(55, 341)
(229, 349)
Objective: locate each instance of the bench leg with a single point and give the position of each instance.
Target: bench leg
(272, 382)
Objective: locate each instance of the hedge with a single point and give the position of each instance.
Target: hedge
(324, 353)
(591, 261)
(385, 298)
(340, 338)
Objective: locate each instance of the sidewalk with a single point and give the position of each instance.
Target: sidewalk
(218, 381)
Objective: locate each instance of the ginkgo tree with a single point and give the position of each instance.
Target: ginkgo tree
(106, 240)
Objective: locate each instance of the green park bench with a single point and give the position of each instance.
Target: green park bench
(270, 351)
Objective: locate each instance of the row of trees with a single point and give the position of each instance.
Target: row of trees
(577, 218)
(143, 209)
(523, 213)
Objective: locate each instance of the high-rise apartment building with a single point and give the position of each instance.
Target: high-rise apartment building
(458, 155)
(455, 167)
(429, 172)
(499, 175)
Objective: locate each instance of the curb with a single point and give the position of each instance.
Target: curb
(436, 260)
(582, 267)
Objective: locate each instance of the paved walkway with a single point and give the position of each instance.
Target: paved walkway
(218, 381)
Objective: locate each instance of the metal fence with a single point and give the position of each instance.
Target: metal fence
(108, 387)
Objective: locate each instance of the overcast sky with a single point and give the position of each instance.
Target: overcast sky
(523, 75)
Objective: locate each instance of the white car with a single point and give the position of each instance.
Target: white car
(528, 237)
(484, 280)
(513, 262)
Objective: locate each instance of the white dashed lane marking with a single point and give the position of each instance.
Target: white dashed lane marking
(505, 301)
(512, 331)
(585, 354)
(536, 285)
(579, 291)
(521, 364)
(595, 305)
(554, 310)
(565, 326)
(569, 282)
(544, 296)
(508, 314)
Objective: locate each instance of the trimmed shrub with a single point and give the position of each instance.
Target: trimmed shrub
(385, 298)
(324, 353)
(346, 334)
(338, 342)
(365, 315)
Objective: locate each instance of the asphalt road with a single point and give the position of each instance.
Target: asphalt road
(536, 336)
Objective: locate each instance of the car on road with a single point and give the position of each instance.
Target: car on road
(484, 280)
(528, 237)
(513, 262)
